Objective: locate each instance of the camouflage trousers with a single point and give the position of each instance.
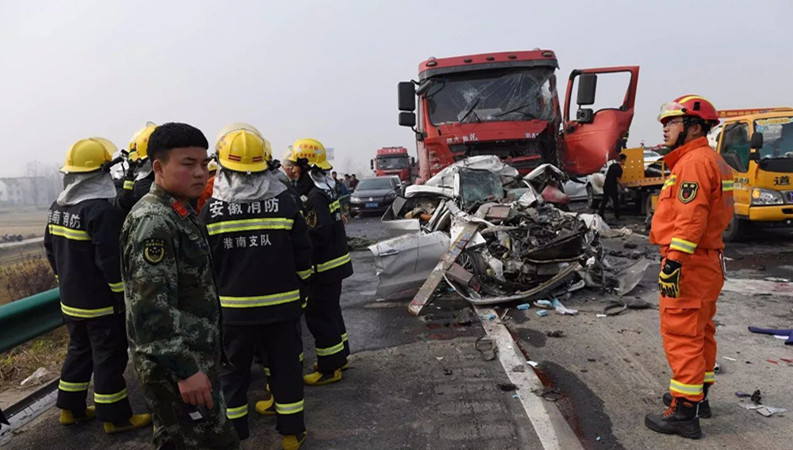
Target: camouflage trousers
(178, 425)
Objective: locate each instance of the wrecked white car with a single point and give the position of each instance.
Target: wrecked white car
(518, 245)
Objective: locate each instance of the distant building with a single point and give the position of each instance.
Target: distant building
(29, 191)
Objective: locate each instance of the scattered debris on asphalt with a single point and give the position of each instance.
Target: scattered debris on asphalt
(555, 333)
(487, 347)
(757, 396)
(769, 411)
(357, 243)
(728, 358)
(507, 387)
(541, 312)
(551, 394)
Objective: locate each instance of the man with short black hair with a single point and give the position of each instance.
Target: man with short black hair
(173, 310)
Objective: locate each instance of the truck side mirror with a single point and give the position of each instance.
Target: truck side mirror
(584, 115)
(371, 164)
(757, 140)
(407, 96)
(587, 84)
(407, 119)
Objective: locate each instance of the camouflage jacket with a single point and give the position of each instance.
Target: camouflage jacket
(173, 311)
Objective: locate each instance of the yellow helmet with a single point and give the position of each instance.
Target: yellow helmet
(111, 147)
(237, 126)
(312, 150)
(139, 145)
(243, 151)
(212, 165)
(86, 155)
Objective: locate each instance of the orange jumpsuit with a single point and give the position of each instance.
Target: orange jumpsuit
(206, 195)
(694, 208)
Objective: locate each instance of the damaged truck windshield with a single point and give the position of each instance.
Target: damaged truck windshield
(490, 96)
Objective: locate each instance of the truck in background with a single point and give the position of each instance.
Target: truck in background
(507, 104)
(393, 161)
(758, 146)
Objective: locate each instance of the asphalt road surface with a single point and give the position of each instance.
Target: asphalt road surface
(420, 383)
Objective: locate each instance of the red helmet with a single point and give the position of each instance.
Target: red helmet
(691, 106)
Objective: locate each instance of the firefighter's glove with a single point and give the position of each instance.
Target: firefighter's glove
(669, 279)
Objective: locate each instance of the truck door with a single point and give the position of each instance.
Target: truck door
(734, 146)
(592, 138)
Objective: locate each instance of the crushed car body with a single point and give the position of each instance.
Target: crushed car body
(524, 246)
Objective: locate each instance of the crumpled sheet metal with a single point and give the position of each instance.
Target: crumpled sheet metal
(492, 163)
(531, 294)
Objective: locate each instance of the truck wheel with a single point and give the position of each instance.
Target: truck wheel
(591, 201)
(647, 203)
(736, 230)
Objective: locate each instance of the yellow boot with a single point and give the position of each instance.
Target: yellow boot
(293, 442)
(266, 407)
(319, 378)
(68, 417)
(135, 421)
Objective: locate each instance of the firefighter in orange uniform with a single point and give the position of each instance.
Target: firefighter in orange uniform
(694, 208)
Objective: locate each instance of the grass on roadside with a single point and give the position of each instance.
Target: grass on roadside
(46, 351)
(17, 281)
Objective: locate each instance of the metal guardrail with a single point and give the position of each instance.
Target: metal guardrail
(28, 318)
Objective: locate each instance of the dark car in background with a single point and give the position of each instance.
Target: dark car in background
(374, 194)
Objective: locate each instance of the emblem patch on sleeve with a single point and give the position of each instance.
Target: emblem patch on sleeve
(311, 218)
(688, 191)
(154, 251)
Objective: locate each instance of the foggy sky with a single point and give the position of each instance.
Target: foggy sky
(329, 70)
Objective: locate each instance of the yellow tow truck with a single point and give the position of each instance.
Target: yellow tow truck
(758, 145)
(642, 179)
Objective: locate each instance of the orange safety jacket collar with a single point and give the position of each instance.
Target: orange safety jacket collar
(674, 156)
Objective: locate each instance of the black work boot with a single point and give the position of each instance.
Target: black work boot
(680, 418)
(703, 411)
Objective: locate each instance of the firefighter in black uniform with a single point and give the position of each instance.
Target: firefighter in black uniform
(262, 256)
(331, 259)
(140, 175)
(81, 242)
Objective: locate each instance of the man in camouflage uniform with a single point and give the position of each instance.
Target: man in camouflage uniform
(173, 312)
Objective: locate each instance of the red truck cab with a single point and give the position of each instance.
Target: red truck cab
(393, 161)
(506, 104)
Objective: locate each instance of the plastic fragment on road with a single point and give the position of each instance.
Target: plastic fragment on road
(728, 358)
(769, 411)
(786, 334)
(488, 317)
(533, 363)
(563, 310)
(601, 315)
(547, 304)
(524, 306)
(541, 313)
